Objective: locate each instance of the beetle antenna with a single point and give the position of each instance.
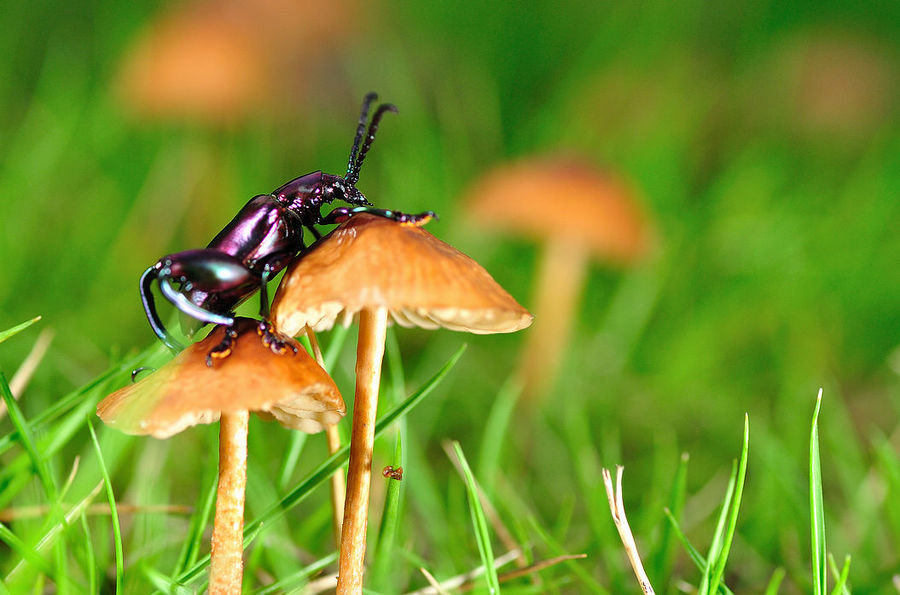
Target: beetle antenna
(353, 176)
(360, 130)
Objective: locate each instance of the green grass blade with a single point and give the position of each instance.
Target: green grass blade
(693, 553)
(817, 508)
(114, 514)
(89, 555)
(482, 534)
(338, 337)
(193, 542)
(163, 583)
(494, 435)
(25, 437)
(840, 588)
(390, 521)
(4, 335)
(719, 564)
(841, 577)
(296, 442)
(292, 584)
(57, 524)
(718, 540)
(321, 473)
(27, 553)
(74, 398)
(662, 562)
(775, 581)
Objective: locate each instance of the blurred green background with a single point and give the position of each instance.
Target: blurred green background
(763, 138)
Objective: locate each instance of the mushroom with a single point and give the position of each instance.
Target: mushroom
(291, 389)
(377, 270)
(219, 62)
(579, 214)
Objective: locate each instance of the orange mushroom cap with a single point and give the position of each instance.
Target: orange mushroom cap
(292, 389)
(563, 197)
(371, 262)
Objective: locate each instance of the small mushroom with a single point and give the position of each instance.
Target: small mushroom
(579, 214)
(291, 389)
(378, 270)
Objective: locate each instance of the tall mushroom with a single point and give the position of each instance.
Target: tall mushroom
(378, 270)
(291, 389)
(578, 214)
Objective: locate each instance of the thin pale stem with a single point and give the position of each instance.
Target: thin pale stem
(617, 507)
(369, 354)
(338, 485)
(226, 564)
(560, 281)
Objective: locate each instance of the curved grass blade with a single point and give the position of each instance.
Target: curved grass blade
(719, 564)
(390, 521)
(114, 514)
(27, 553)
(18, 420)
(4, 335)
(482, 534)
(191, 549)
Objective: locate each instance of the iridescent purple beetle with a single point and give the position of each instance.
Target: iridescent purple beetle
(266, 234)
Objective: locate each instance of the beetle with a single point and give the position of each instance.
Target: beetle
(262, 239)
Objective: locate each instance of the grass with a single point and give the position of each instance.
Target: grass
(776, 273)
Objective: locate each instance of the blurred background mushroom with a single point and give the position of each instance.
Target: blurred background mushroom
(376, 270)
(291, 389)
(578, 215)
(220, 62)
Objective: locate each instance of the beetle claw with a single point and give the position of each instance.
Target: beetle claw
(271, 338)
(223, 349)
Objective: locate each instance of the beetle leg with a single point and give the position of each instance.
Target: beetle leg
(223, 349)
(341, 214)
(182, 302)
(274, 340)
(271, 338)
(150, 308)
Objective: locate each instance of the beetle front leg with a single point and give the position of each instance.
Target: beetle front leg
(271, 338)
(341, 214)
(150, 309)
(216, 281)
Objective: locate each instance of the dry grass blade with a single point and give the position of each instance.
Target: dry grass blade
(617, 507)
(29, 365)
(42, 510)
(32, 360)
(468, 584)
(432, 581)
(461, 581)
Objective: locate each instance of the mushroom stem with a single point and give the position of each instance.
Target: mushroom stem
(226, 564)
(369, 354)
(338, 485)
(560, 281)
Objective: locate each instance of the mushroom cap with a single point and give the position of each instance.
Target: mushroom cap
(372, 262)
(290, 388)
(561, 197)
(197, 63)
